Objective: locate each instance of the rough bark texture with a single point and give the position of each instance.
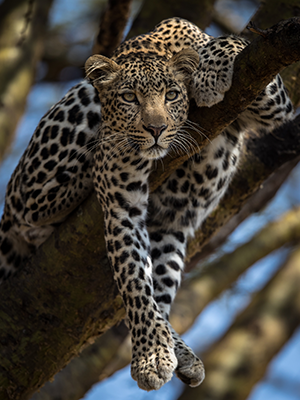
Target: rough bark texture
(71, 297)
(48, 313)
(92, 366)
(22, 29)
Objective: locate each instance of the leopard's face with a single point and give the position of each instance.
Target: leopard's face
(144, 100)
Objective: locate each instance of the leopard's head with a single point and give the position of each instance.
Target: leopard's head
(144, 99)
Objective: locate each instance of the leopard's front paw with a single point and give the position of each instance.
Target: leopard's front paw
(153, 360)
(210, 83)
(213, 77)
(190, 368)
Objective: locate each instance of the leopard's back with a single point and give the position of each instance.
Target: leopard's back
(52, 177)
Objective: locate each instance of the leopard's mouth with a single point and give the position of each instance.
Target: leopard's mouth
(154, 152)
(148, 151)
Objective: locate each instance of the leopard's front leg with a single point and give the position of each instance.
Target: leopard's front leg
(169, 226)
(122, 190)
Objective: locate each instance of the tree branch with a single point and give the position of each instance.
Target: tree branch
(94, 364)
(112, 26)
(65, 295)
(269, 12)
(22, 31)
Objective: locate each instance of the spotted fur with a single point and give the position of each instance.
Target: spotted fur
(144, 92)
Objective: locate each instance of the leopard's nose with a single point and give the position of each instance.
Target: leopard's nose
(155, 131)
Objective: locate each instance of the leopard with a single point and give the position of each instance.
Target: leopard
(106, 135)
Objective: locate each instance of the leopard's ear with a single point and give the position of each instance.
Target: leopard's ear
(101, 70)
(185, 62)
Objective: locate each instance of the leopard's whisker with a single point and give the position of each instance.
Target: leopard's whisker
(189, 138)
(181, 147)
(196, 125)
(189, 142)
(196, 129)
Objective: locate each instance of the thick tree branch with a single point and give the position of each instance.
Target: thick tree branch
(70, 297)
(94, 364)
(269, 12)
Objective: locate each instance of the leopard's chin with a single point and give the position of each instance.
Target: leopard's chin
(154, 152)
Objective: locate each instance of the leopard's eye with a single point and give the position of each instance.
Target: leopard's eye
(130, 97)
(171, 95)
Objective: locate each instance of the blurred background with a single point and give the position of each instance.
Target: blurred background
(242, 325)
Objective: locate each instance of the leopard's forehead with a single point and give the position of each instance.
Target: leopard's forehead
(142, 60)
(144, 73)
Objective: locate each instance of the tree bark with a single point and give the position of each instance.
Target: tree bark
(65, 295)
(90, 367)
